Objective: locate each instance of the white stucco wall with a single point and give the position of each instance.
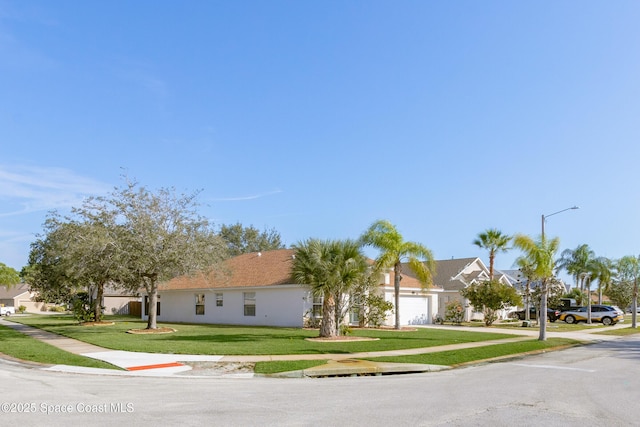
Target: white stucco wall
(275, 306)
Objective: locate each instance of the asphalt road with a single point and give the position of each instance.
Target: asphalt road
(594, 385)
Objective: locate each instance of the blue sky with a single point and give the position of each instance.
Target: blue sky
(318, 118)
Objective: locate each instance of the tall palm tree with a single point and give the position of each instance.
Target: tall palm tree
(330, 268)
(603, 273)
(540, 255)
(494, 241)
(384, 236)
(578, 262)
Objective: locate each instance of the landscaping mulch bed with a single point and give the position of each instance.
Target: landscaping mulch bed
(152, 331)
(344, 338)
(97, 323)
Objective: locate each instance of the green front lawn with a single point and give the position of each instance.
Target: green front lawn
(23, 347)
(243, 340)
(456, 357)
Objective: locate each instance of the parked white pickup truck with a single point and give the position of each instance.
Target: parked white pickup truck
(7, 311)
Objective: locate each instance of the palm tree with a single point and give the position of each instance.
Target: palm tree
(384, 236)
(603, 273)
(494, 241)
(527, 271)
(539, 254)
(577, 262)
(330, 268)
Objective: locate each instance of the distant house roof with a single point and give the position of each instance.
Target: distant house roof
(13, 291)
(267, 268)
(450, 274)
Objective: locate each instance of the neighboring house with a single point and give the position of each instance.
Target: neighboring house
(520, 282)
(452, 276)
(14, 296)
(118, 301)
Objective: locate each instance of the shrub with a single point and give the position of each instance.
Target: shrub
(82, 307)
(375, 310)
(454, 312)
(22, 309)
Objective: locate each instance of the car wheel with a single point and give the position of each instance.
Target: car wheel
(607, 321)
(552, 319)
(570, 319)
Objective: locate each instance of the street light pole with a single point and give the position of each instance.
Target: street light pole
(544, 217)
(543, 298)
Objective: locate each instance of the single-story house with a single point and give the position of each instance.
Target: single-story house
(250, 289)
(257, 289)
(14, 296)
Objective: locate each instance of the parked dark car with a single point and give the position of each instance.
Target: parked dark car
(552, 314)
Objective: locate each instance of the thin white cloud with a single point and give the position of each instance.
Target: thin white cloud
(25, 189)
(243, 198)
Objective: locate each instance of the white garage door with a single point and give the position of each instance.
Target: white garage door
(414, 310)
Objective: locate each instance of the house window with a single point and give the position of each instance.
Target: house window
(356, 309)
(146, 306)
(316, 310)
(219, 300)
(249, 303)
(199, 304)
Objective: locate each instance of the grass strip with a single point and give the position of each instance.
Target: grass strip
(285, 366)
(456, 357)
(23, 347)
(620, 332)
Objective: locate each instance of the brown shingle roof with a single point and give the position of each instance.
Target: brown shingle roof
(8, 292)
(267, 268)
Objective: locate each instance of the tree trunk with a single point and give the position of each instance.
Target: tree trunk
(396, 289)
(328, 327)
(491, 260)
(97, 306)
(634, 305)
(152, 291)
(542, 316)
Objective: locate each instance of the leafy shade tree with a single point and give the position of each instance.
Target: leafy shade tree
(620, 293)
(394, 250)
(628, 268)
(540, 255)
(82, 249)
(161, 236)
(8, 276)
(492, 296)
(241, 240)
(494, 241)
(330, 269)
(46, 271)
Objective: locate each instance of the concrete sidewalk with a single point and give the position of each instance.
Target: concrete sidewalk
(156, 364)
